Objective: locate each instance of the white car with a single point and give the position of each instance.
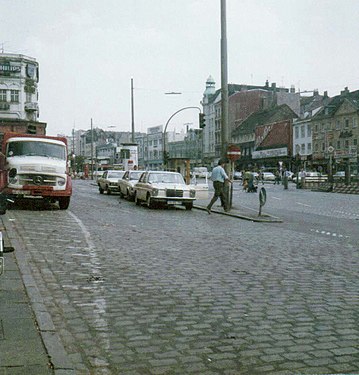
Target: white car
(166, 188)
(127, 183)
(268, 176)
(109, 181)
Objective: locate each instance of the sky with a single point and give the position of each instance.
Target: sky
(88, 51)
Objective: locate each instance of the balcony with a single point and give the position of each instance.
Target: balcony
(31, 107)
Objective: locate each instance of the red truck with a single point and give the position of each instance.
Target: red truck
(35, 166)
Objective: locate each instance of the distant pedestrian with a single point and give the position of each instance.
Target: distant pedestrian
(301, 178)
(277, 178)
(219, 177)
(286, 175)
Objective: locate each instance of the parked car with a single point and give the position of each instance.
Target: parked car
(166, 188)
(268, 176)
(109, 181)
(127, 182)
(237, 175)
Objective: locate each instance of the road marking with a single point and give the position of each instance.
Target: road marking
(303, 204)
(324, 232)
(277, 198)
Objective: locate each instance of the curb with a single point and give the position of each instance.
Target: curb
(265, 218)
(46, 328)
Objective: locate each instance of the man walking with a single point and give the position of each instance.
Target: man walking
(219, 177)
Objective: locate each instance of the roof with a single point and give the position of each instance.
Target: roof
(233, 88)
(270, 115)
(330, 109)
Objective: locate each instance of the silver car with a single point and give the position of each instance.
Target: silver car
(127, 183)
(167, 188)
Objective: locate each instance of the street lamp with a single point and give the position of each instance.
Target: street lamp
(165, 129)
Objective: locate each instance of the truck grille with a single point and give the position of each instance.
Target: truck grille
(37, 179)
(174, 193)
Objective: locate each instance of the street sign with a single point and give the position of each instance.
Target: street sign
(233, 153)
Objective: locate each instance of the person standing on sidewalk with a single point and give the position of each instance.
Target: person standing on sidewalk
(285, 178)
(219, 177)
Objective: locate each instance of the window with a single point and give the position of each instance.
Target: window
(28, 97)
(346, 123)
(355, 122)
(323, 146)
(302, 149)
(309, 148)
(2, 95)
(14, 95)
(309, 130)
(296, 132)
(302, 131)
(337, 125)
(322, 127)
(346, 143)
(355, 142)
(338, 145)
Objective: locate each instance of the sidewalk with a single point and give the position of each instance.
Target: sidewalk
(236, 211)
(28, 343)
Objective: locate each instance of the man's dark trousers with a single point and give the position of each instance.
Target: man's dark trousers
(218, 193)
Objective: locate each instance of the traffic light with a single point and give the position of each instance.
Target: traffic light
(202, 120)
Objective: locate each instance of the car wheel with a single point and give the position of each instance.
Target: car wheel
(149, 201)
(121, 194)
(64, 203)
(137, 201)
(108, 190)
(100, 189)
(189, 206)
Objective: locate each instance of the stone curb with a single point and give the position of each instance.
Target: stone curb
(52, 342)
(265, 218)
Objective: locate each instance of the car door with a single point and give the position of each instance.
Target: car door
(141, 186)
(123, 183)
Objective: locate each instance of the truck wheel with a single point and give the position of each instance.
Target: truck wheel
(64, 203)
(188, 206)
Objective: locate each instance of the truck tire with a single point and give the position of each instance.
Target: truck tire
(189, 206)
(64, 203)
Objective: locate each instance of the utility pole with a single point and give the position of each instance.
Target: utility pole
(132, 114)
(224, 82)
(91, 150)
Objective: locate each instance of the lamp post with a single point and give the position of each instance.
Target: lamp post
(165, 129)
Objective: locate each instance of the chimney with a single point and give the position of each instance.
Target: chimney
(292, 89)
(345, 91)
(274, 86)
(267, 84)
(316, 92)
(325, 94)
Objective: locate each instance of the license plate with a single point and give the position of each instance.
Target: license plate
(1, 265)
(172, 202)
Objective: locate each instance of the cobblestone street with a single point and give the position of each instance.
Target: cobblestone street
(137, 291)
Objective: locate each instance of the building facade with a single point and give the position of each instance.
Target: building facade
(19, 108)
(335, 132)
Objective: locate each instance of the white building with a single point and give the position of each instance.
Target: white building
(19, 77)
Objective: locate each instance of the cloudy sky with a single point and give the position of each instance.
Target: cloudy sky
(88, 50)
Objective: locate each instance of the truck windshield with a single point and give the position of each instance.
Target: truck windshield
(34, 148)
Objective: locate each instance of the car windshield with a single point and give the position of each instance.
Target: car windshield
(118, 174)
(175, 178)
(135, 175)
(36, 148)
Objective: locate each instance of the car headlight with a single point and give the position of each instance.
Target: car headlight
(192, 193)
(155, 192)
(13, 180)
(61, 181)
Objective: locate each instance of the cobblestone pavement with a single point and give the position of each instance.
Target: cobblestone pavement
(138, 291)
